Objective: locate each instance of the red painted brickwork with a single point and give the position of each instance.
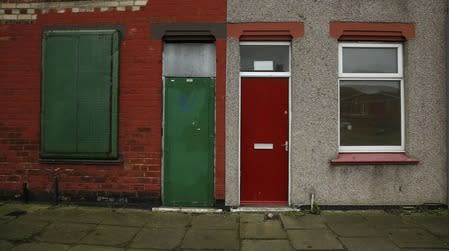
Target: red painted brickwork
(140, 102)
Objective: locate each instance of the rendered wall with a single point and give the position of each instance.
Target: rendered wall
(314, 140)
(138, 178)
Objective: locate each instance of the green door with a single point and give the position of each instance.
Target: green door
(188, 141)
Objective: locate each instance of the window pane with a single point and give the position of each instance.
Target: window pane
(370, 113)
(266, 58)
(370, 60)
(189, 60)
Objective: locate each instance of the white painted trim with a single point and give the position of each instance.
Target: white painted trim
(399, 62)
(162, 181)
(163, 124)
(268, 75)
(265, 43)
(372, 76)
(400, 148)
(264, 209)
(289, 125)
(187, 209)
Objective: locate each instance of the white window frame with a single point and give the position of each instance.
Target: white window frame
(372, 76)
(270, 73)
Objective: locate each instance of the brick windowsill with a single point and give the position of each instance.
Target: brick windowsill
(373, 159)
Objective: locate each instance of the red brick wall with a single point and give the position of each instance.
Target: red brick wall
(139, 103)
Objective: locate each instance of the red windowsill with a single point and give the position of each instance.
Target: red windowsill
(373, 159)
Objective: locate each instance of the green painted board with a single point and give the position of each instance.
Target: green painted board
(79, 94)
(189, 142)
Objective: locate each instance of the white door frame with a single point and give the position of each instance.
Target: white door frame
(267, 75)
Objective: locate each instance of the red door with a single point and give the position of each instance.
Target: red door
(264, 141)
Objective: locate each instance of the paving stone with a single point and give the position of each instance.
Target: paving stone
(65, 232)
(210, 239)
(264, 230)
(149, 249)
(40, 247)
(215, 221)
(314, 239)
(424, 249)
(5, 219)
(110, 236)
(5, 245)
(125, 219)
(80, 215)
(28, 208)
(445, 239)
(415, 238)
(369, 244)
(342, 217)
(440, 228)
(387, 221)
(252, 217)
(158, 238)
(171, 220)
(71, 214)
(21, 230)
(302, 222)
(95, 248)
(266, 245)
(438, 225)
(352, 229)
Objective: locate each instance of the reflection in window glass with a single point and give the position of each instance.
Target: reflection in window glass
(370, 60)
(270, 58)
(370, 113)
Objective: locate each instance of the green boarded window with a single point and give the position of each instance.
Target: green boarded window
(79, 94)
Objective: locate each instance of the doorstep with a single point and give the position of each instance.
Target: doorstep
(187, 209)
(264, 209)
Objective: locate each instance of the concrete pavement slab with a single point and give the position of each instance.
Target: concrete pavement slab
(266, 245)
(130, 219)
(215, 221)
(438, 225)
(94, 248)
(62, 232)
(70, 214)
(352, 229)
(424, 249)
(40, 247)
(159, 238)
(369, 244)
(415, 238)
(445, 239)
(110, 236)
(5, 245)
(211, 239)
(28, 208)
(314, 239)
(21, 230)
(264, 230)
(171, 220)
(302, 222)
(252, 217)
(383, 221)
(342, 217)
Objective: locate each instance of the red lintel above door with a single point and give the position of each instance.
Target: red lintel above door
(285, 31)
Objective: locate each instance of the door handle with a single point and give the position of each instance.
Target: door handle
(285, 145)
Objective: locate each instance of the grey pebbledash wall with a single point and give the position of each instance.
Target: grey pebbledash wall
(314, 103)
